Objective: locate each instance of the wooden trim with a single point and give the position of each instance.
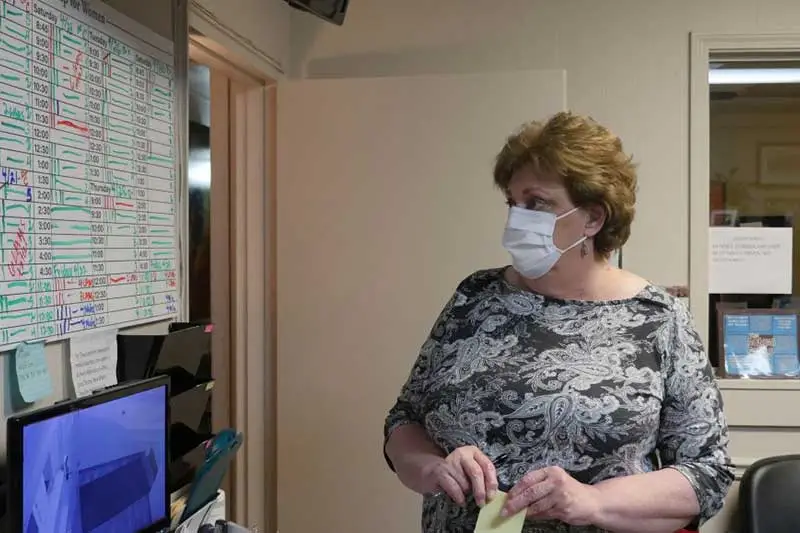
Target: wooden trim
(270, 95)
(204, 51)
(253, 143)
(180, 35)
(238, 121)
(221, 252)
(703, 47)
(243, 281)
(750, 384)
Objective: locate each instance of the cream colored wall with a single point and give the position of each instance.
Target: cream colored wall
(378, 220)
(627, 64)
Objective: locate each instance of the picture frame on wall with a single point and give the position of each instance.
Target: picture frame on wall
(779, 164)
(758, 343)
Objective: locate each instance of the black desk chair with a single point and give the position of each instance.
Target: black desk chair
(769, 496)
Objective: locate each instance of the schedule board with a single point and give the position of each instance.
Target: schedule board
(87, 171)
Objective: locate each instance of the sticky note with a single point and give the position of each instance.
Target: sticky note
(490, 521)
(33, 377)
(93, 361)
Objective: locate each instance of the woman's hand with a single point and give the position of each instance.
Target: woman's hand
(551, 493)
(465, 470)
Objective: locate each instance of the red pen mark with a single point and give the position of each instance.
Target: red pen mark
(19, 253)
(124, 204)
(77, 72)
(117, 280)
(87, 296)
(70, 124)
(87, 282)
(26, 4)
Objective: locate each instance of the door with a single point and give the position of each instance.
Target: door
(241, 278)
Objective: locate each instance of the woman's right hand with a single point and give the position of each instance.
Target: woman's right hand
(466, 470)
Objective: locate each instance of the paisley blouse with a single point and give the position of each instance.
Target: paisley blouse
(600, 388)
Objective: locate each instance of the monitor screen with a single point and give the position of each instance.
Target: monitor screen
(99, 469)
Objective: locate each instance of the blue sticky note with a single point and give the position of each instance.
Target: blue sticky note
(33, 377)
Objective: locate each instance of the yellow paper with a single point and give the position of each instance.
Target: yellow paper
(490, 521)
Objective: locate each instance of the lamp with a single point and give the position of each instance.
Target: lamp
(753, 76)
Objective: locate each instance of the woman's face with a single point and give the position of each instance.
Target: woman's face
(532, 189)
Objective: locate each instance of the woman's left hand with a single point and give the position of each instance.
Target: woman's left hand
(551, 493)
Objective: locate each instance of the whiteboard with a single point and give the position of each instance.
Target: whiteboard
(88, 171)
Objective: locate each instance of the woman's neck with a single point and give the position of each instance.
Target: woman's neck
(585, 281)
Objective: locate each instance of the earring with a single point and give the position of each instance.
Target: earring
(584, 249)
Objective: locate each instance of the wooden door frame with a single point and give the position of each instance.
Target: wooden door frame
(243, 279)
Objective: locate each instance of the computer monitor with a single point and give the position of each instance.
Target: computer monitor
(93, 465)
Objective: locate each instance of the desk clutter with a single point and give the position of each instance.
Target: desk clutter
(139, 456)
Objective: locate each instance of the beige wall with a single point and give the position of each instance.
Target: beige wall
(627, 64)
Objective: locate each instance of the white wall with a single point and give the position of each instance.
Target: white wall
(627, 64)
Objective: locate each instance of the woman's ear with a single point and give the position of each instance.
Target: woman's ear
(595, 219)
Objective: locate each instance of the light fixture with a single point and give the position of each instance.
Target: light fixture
(753, 76)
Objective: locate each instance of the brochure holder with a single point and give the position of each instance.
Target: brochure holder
(183, 354)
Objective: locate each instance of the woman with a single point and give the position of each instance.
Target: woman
(580, 389)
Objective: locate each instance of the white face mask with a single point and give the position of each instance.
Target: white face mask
(528, 237)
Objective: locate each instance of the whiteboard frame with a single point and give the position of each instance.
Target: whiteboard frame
(180, 61)
(180, 43)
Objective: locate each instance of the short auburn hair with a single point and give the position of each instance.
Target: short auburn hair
(591, 162)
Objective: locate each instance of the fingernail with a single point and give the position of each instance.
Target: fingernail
(492, 494)
(504, 513)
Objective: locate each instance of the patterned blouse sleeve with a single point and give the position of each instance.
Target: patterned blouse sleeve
(693, 433)
(408, 407)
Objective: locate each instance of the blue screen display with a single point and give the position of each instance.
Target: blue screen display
(98, 470)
